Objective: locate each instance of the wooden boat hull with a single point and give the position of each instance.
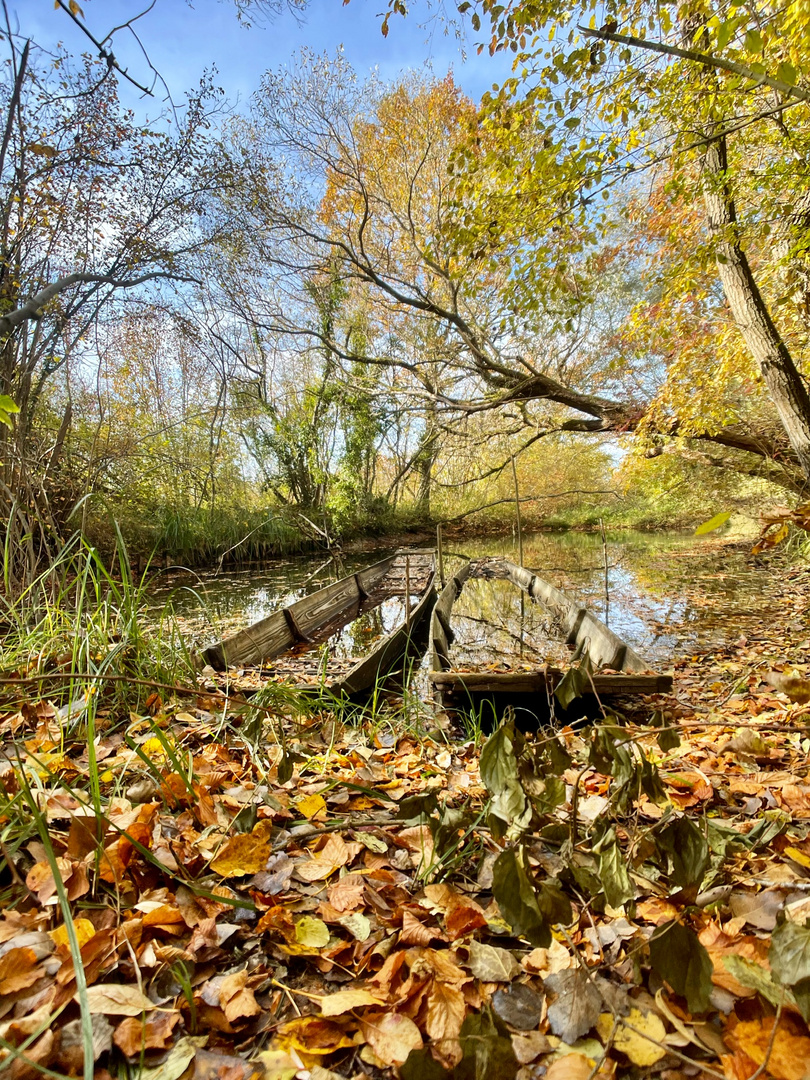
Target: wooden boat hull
(579, 627)
(277, 634)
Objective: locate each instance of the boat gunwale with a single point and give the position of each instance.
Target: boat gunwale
(286, 619)
(629, 674)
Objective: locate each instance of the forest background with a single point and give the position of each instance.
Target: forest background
(349, 303)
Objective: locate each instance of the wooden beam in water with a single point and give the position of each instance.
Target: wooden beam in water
(532, 682)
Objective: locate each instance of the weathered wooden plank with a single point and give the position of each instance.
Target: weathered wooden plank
(439, 643)
(578, 624)
(266, 638)
(530, 682)
(275, 634)
(270, 637)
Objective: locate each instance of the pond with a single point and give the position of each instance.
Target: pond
(665, 594)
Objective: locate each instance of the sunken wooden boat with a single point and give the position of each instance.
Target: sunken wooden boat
(294, 644)
(618, 669)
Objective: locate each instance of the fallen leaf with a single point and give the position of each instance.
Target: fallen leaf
(491, 964)
(343, 1001)
(84, 931)
(638, 1035)
(789, 1051)
(19, 969)
(245, 853)
(577, 1006)
(391, 1036)
(314, 933)
(311, 806)
(113, 999)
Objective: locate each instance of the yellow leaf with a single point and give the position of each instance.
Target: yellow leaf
(798, 856)
(312, 932)
(74, 8)
(343, 1001)
(278, 1065)
(84, 931)
(312, 1037)
(641, 1043)
(311, 805)
(244, 854)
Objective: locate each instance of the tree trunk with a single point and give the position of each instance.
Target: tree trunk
(785, 384)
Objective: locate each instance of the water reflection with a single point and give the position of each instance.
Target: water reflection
(667, 594)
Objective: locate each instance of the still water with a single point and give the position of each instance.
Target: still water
(665, 594)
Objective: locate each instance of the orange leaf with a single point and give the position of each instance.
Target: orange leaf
(19, 969)
(789, 1053)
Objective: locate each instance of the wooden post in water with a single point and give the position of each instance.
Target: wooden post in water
(607, 578)
(408, 593)
(517, 513)
(440, 553)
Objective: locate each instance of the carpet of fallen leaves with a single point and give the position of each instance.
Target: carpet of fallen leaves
(232, 925)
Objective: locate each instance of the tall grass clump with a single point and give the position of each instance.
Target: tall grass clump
(78, 631)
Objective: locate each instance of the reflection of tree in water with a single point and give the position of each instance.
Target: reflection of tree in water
(490, 626)
(358, 637)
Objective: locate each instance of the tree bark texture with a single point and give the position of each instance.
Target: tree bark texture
(748, 308)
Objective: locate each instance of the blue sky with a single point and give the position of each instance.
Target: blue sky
(183, 39)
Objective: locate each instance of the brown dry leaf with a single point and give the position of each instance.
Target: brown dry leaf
(790, 1052)
(656, 911)
(391, 1036)
(689, 789)
(39, 878)
(446, 1010)
(463, 918)
(39, 1054)
(136, 1034)
(570, 1067)
(719, 944)
(418, 840)
(548, 961)
(343, 1001)
(166, 917)
(19, 969)
(346, 894)
(415, 932)
(112, 999)
(245, 853)
(236, 997)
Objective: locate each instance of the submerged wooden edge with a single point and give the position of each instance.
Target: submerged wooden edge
(529, 682)
(378, 662)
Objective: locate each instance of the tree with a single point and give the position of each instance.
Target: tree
(92, 208)
(726, 111)
(506, 254)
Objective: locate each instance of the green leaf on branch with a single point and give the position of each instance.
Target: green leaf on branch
(789, 954)
(499, 773)
(687, 847)
(613, 870)
(753, 41)
(576, 682)
(677, 956)
(668, 738)
(529, 909)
